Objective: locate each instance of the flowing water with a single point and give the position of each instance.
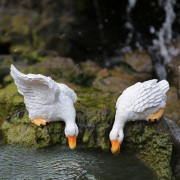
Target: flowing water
(62, 163)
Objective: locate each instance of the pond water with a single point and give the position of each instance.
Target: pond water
(63, 163)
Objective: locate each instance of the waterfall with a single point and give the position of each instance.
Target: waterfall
(129, 25)
(164, 36)
(165, 33)
(159, 51)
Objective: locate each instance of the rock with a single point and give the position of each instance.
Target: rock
(89, 71)
(152, 145)
(140, 61)
(95, 116)
(19, 114)
(15, 30)
(173, 106)
(117, 79)
(49, 33)
(90, 67)
(61, 69)
(144, 138)
(58, 44)
(172, 74)
(172, 66)
(17, 126)
(172, 71)
(46, 28)
(174, 133)
(64, 69)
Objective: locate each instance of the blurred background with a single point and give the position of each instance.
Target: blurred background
(105, 44)
(104, 31)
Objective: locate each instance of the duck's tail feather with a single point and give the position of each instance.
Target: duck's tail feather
(164, 85)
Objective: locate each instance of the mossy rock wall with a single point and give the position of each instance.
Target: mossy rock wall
(152, 145)
(95, 116)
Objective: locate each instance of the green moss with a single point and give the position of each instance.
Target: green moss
(153, 147)
(10, 101)
(86, 136)
(7, 79)
(27, 134)
(17, 120)
(37, 70)
(97, 111)
(28, 52)
(15, 29)
(18, 25)
(5, 39)
(89, 138)
(19, 134)
(6, 62)
(5, 65)
(34, 56)
(21, 37)
(67, 73)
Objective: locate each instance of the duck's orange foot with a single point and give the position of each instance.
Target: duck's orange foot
(155, 117)
(40, 121)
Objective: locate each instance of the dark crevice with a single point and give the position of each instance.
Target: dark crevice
(4, 48)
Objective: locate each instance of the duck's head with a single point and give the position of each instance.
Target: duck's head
(71, 132)
(116, 136)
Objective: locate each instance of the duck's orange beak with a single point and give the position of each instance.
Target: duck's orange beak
(72, 141)
(115, 149)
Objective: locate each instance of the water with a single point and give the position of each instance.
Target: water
(63, 163)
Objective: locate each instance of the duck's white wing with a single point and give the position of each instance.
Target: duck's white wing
(127, 97)
(35, 88)
(68, 92)
(148, 95)
(141, 96)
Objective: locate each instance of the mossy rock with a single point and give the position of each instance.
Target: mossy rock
(26, 134)
(62, 69)
(10, 102)
(20, 36)
(95, 116)
(28, 52)
(152, 145)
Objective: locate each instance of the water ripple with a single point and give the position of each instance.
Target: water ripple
(62, 163)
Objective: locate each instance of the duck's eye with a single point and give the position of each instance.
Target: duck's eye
(118, 135)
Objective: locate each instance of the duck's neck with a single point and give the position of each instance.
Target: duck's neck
(120, 119)
(118, 126)
(70, 123)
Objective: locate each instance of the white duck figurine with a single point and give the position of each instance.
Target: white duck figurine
(142, 101)
(48, 101)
